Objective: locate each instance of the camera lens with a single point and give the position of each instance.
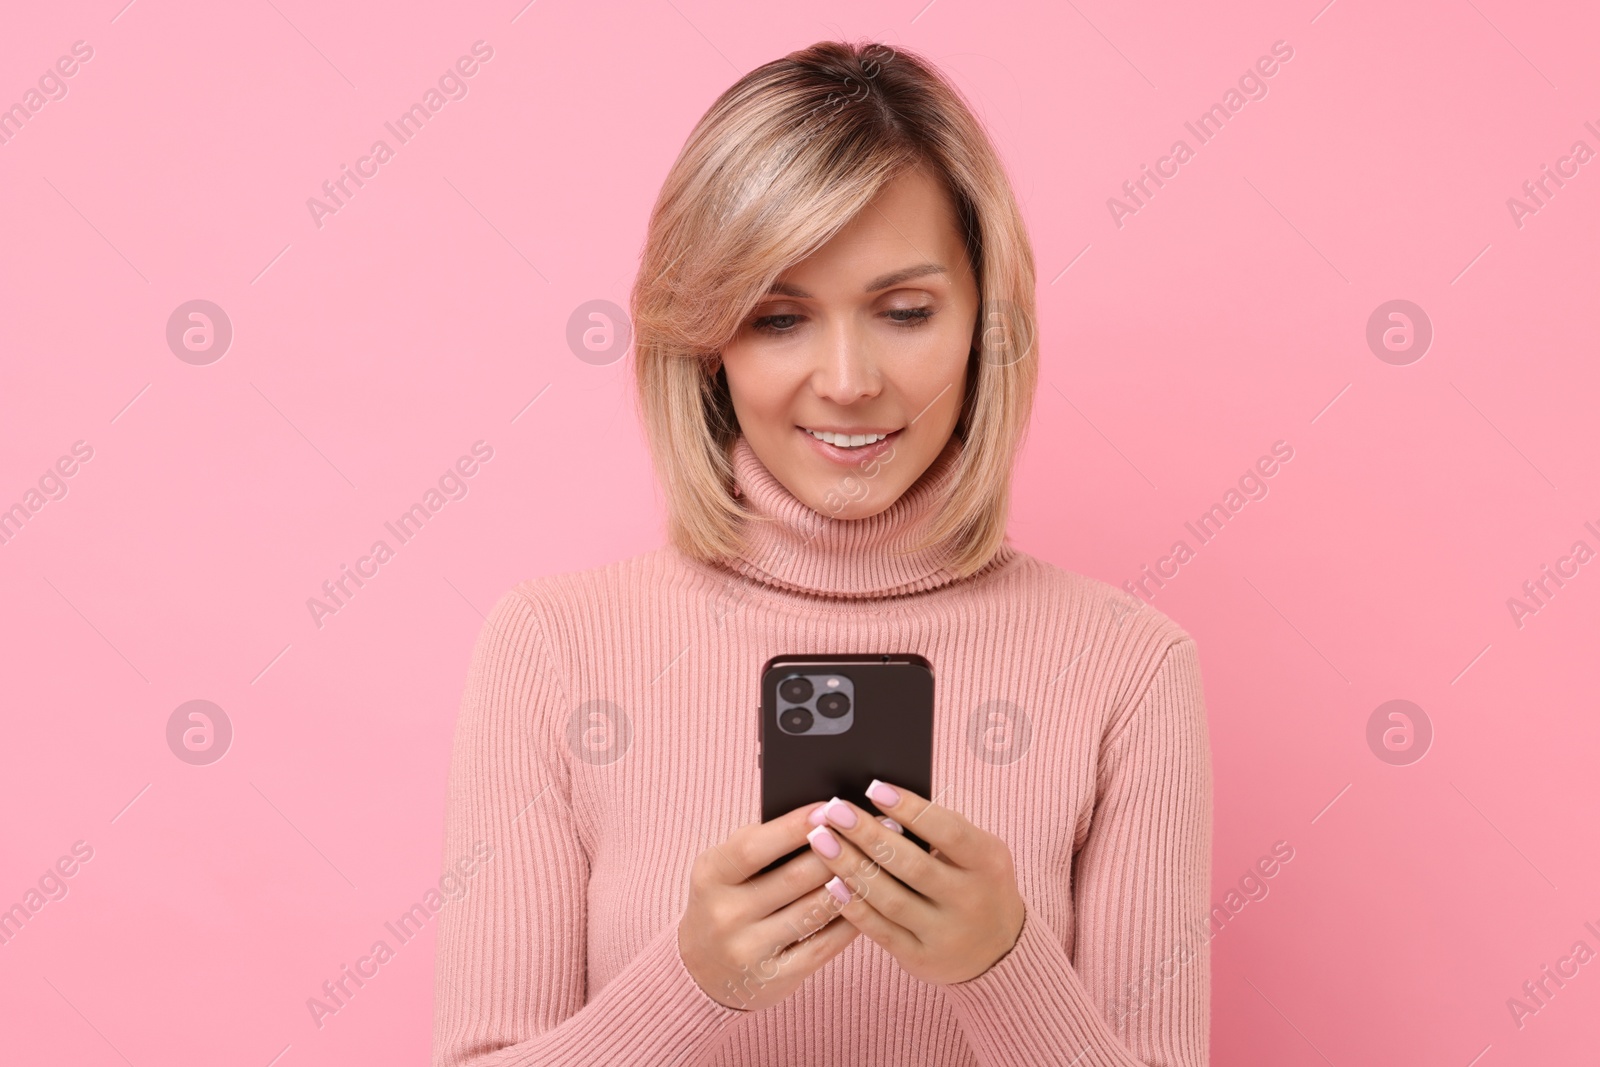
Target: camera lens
(795, 690)
(833, 705)
(796, 720)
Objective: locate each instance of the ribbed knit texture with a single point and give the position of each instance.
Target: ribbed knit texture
(606, 736)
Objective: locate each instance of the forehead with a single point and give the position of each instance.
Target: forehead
(911, 221)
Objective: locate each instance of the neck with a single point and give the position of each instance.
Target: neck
(788, 545)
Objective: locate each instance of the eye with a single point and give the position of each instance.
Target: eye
(910, 318)
(918, 316)
(766, 324)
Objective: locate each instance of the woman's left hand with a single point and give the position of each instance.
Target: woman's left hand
(946, 916)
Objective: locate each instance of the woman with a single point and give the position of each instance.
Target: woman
(835, 255)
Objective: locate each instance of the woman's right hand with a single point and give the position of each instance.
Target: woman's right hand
(748, 939)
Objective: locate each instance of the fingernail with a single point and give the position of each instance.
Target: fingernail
(891, 824)
(824, 842)
(839, 813)
(817, 816)
(840, 891)
(883, 795)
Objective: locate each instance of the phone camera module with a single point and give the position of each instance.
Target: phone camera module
(816, 704)
(796, 689)
(796, 720)
(833, 705)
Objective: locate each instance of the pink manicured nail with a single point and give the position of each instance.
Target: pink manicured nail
(840, 891)
(839, 813)
(824, 842)
(882, 794)
(817, 816)
(891, 824)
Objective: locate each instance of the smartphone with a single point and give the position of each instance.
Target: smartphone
(829, 725)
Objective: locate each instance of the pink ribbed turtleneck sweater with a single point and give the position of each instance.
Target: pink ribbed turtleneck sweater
(606, 737)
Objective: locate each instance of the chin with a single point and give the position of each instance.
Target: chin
(843, 500)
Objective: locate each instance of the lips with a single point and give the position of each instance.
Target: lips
(849, 456)
(815, 430)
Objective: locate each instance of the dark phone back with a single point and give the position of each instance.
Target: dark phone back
(886, 732)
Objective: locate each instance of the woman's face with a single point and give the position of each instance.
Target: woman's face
(870, 335)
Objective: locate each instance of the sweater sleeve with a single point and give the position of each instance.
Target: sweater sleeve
(510, 983)
(1136, 991)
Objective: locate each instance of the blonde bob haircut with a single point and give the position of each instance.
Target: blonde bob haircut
(783, 160)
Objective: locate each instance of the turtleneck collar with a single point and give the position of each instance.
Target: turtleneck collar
(790, 546)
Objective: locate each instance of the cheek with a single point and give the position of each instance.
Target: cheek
(759, 386)
(937, 367)
(958, 337)
(739, 370)
(746, 382)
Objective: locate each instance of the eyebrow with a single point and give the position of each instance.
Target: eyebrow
(905, 274)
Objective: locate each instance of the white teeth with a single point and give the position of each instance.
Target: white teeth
(847, 440)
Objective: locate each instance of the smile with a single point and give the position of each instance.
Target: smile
(849, 450)
(839, 440)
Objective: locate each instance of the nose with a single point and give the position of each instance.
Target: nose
(846, 369)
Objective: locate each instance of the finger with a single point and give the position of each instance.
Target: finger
(820, 947)
(754, 845)
(866, 879)
(793, 961)
(800, 918)
(952, 834)
(817, 818)
(889, 848)
(787, 883)
(865, 916)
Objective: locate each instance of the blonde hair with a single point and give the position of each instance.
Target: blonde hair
(788, 155)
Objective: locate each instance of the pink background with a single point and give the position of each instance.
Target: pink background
(369, 354)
